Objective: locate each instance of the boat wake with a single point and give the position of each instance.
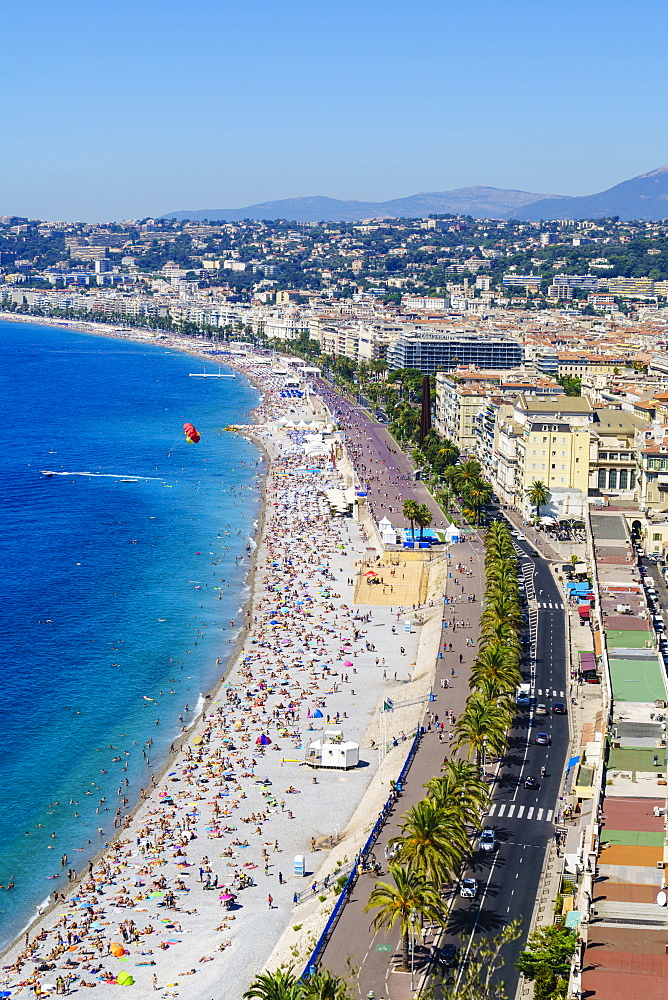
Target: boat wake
(126, 477)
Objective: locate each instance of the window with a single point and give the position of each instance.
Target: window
(623, 479)
(656, 537)
(612, 479)
(601, 479)
(613, 456)
(633, 478)
(553, 466)
(602, 454)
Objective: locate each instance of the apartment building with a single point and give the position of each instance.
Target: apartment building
(613, 467)
(577, 365)
(458, 405)
(433, 352)
(546, 439)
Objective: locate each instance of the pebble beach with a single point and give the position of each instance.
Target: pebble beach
(198, 888)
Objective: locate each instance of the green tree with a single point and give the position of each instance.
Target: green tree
(412, 893)
(432, 841)
(478, 978)
(423, 517)
(481, 729)
(284, 985)
(546, 960)
(538, 496)
(460, 789)
(279, 985)
(411, 509)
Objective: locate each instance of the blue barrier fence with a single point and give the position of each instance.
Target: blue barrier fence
(361, 858)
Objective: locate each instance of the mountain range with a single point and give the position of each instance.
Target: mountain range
(643, 197)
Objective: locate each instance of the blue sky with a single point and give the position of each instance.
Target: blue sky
(124, 110)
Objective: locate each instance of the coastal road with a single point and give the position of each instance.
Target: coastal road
(524, 819)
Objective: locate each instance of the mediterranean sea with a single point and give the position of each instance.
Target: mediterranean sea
(120, 582)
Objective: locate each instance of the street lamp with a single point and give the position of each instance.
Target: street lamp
(484, 756)
(413, 919)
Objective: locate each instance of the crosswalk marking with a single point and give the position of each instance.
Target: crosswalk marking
(548, 606)
(542, 815)
(546, 692)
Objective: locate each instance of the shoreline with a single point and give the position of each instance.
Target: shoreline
(48, 905)
(186, 742)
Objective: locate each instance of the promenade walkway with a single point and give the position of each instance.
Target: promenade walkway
(389, 476)
(352, 944)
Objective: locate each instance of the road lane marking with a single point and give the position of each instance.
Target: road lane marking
(492, 809)
(548, 816)
(511, 810)
(501, 811)
(520, 812)
(539, 814)
(530, 813)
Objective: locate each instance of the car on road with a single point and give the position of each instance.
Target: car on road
(530, 782)
(447, 955)
(541, 709)
(468, 888)
(559, 708)
(488, 841)
(543, 740)
(534, 554)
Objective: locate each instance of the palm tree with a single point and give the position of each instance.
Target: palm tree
(477, 495)
(324, 985)
(497, 665)
(481, 726)
(279, 985)
(432, 841)
(423, 517)
(448, 452)
(412, 893)
(411, 508)
(538, 496)
(460, 789)
(284, 985)
(466, 473)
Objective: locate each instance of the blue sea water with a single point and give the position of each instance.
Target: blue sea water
(111, 592)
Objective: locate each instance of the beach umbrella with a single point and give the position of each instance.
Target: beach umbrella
(348, 663)
(317, 714)
(263, 740)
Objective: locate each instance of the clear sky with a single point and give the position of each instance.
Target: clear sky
(130, 109)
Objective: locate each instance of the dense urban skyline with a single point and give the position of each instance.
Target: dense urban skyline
(162, 107)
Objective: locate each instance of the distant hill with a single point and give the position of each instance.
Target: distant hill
(479, 202)
(644, 197)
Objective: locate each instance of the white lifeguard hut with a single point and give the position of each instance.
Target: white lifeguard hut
(388, 534)
(332, 751)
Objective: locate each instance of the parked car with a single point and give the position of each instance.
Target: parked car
(543, 739)
(559, 708)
